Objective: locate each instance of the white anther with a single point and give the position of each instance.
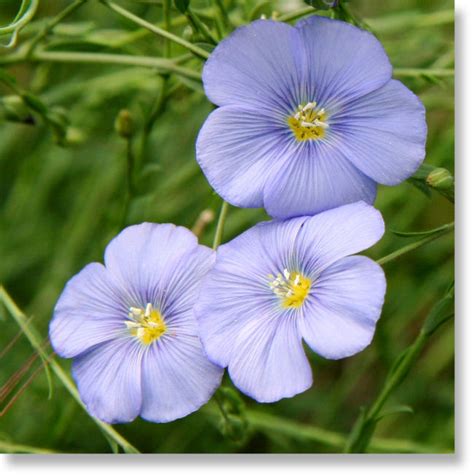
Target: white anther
(310, 105)
(135, 312)
(131, 324)
(148, 310)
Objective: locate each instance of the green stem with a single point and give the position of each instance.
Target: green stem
(296, 14)
(156, 110)
(52, 23)
(24, 19)
(7, 447)
(413, 246)
(417, 72)
(155, 29)
(167, 24)
(268, 423)
(220, 405)
(220, 225)
(200, 27)
(130, 175)
(222, 19)
(35, 341)
(161, 64)
(394, 380)
(399, 22)
(362, 431)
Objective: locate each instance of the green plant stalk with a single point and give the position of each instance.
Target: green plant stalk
(266, 422)
(400, 22)
(21, 22)
(200, 27)
(420, 72)
(7, 447)
(157, 109)
(397, 377)
(53, 22)
(130, 179)
(156, 29)
(296, 14)
(220, 225)
(413, 246)
(361, 434)
(222, 19)
(35, 341)
(365, 425)
(161, 64)
(167, 25)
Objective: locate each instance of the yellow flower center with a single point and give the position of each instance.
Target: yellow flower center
(291, 287)
(146, 324)
(308, 122)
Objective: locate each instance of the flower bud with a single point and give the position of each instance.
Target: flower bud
(124, 124)
(440, 178)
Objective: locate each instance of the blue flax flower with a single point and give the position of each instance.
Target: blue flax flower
(130, 328)
(309, 118)
(284, 281)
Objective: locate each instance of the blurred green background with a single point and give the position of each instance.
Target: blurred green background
(61, 204)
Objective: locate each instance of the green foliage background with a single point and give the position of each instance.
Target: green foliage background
(60, 205)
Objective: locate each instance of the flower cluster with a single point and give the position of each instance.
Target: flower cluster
(309, 121)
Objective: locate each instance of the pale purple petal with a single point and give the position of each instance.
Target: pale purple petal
(90, 311)
(334, 234)
(177, 378)
(109, 380)
(238, 149)
(237, 289)
(384, 133)
(343, 61)
(258, 65)
(318, 177)
(269, 362)
(344, 306)
(143, 258)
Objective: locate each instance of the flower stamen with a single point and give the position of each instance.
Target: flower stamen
(146, 324)
(308, 122)
(291, 287)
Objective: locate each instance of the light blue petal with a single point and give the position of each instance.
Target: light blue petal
(317, 178)
(109, 380)
(345, 304)
(269, 362)
(343, 61)
(89, 311)
(258, 65)
(143, 258)
(384, 133)
(334, 234)
(237, 290)
(177, 378)
(238, 150)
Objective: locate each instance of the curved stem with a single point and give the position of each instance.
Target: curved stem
(23, 20)
(220, 225)
(161, 64)
(53, 22)
(416, 72)
(413, 246)
(156, 29)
